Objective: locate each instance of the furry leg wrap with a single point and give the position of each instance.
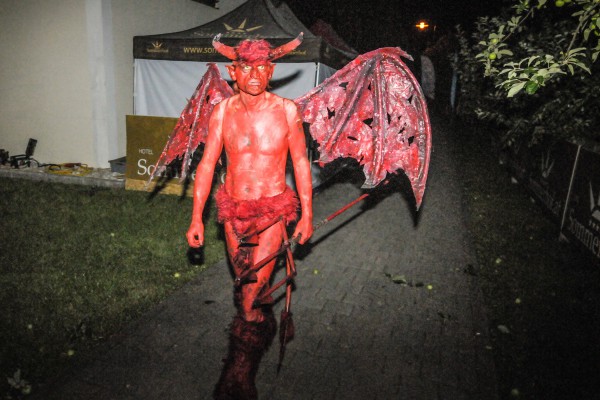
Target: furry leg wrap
(248, 342)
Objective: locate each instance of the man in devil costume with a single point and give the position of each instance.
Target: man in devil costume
(257, 129)
(372, 110)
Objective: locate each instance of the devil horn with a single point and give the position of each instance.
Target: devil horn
(223, 49)
(286, 48)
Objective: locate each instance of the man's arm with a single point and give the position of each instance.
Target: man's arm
(204, 175)
(297, 144)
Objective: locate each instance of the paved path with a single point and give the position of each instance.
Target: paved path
(359, 335)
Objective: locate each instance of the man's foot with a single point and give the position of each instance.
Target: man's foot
(248, 341)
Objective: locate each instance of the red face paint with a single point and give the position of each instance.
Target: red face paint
(252, 78)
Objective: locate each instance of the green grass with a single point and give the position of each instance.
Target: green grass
(542, 291)
(78, 263)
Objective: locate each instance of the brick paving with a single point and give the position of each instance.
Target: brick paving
(361, 332)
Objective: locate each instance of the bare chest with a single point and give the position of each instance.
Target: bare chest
(259, 132)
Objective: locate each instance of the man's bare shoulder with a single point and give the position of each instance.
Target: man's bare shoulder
(219, 110)
(288, 105)
(224, 103)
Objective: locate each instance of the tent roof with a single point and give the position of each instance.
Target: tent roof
(253, 19)
(326, 31)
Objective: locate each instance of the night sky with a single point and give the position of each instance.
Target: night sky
(369, 24)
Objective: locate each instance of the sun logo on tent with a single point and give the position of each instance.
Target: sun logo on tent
(157, 47)
(242, 27)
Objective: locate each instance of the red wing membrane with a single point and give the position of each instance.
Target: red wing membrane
(192, 127)
(374, 111)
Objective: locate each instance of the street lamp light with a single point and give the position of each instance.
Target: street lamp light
(422, 25)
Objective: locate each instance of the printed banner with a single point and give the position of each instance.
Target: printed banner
(146, 138)
(582, 222)
(550, 170)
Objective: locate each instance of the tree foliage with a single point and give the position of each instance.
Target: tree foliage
(530, 72)
(578, 45)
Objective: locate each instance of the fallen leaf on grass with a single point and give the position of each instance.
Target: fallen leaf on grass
(503, 329)
(397, 279)
(446, 316)
(401, 280)
(470, 270)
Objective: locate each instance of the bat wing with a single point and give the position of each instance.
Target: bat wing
(374, 111)
(192, 127)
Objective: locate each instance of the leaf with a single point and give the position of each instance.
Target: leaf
(470, 270)
(577, 50)
(530, 60)
(445, 316)
(516, 89)
(580, 12)
(583, 67)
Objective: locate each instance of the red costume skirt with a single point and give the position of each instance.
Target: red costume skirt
(247, 214)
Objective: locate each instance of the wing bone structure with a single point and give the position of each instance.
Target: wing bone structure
(374, 111)
(192, 127)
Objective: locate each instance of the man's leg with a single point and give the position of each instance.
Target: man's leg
(269, 241)
(251, 331)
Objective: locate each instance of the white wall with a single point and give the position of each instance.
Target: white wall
(66, 72)
(44, 79)
(150, 17)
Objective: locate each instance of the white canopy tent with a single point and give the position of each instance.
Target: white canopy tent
(162, 88)
(168, 67)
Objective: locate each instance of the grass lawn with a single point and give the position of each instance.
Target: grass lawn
(78, 262)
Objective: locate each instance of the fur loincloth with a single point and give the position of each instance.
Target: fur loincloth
(245, 214)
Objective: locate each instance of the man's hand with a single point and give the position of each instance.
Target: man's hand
(304, 230)
(195, 235)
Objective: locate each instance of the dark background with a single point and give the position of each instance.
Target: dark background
(367, 25)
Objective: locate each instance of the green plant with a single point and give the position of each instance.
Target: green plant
(531, 72)
(19, 386)
(560, 107)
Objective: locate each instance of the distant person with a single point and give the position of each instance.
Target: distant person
(428, 77)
